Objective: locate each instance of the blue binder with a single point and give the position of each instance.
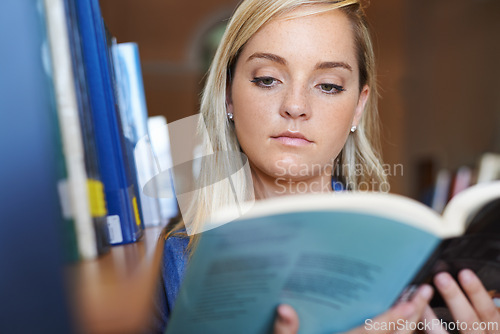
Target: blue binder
(124, 217)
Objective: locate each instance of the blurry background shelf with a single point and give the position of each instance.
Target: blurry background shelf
(437, 69)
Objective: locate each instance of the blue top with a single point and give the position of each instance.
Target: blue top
(174, 261)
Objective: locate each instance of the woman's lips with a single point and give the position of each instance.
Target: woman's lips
(290, 138)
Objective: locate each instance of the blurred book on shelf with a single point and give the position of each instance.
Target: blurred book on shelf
(489, 168)
(85, 190)
(95, 186)
(124, 217)
(165, 190)
(441, 190)
(461, 180)
(436, 189)
(134, 117)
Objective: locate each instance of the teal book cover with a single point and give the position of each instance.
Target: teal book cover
(338, 259)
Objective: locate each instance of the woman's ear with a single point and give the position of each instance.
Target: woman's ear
(360, 107)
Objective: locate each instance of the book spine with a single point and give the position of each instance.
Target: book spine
(162, 155)
(441, 190)
(70, 127)
(123, 225)
(124, 124)
(133, 112)
(94, 184)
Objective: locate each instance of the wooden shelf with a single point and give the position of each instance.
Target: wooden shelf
(114, 293)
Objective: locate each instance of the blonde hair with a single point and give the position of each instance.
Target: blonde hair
(359, 160)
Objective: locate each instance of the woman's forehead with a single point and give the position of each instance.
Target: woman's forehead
(300, 33)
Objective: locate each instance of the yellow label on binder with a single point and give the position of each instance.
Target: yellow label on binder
(96, 198)
(136, 211)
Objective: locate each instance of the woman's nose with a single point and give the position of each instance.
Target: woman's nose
(295, 104)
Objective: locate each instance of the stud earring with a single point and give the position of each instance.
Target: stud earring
(230, 116)
(353, 128)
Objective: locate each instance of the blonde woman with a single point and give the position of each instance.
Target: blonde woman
(292, 86)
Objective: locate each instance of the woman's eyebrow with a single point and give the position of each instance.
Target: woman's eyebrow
(333, 64)
(269, 56)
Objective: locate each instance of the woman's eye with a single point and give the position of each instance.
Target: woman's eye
(264, 81)
(331, 88)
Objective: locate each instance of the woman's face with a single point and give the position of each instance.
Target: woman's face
(295, 95)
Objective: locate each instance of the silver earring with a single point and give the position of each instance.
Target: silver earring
(230, 116)
(353, 128)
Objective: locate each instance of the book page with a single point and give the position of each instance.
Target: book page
(396, 207)
(336, 268)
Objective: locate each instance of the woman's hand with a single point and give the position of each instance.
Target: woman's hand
(287, 321)
(474, 309)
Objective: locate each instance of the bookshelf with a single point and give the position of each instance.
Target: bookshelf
(114, 293)
(421, 47)
(111, 293)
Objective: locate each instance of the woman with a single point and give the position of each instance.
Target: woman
(292, 86)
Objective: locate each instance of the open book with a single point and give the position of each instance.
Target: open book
(339, 259)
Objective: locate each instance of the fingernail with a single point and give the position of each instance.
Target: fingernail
(466, 276)
(425, 292)
(442, 280)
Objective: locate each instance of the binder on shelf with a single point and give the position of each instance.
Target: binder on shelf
(125, 126)
(123, 221)
(95, 186)
(462, 179)
(69, 124)
(134, 117)
(160, 142)
(68, 229)
(441, 190)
